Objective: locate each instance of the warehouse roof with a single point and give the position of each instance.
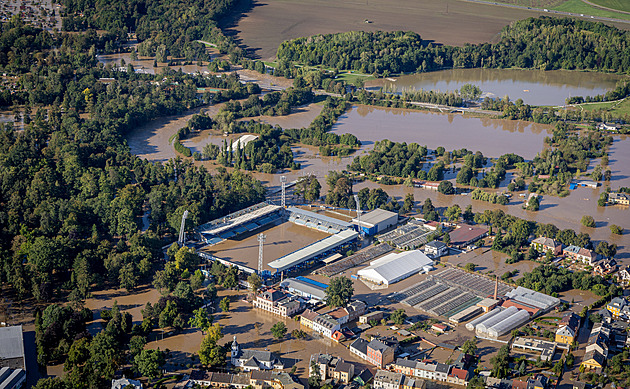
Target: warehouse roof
(304, 287)
(533, 298)
(395, 265)
(11, 342)
(313, 250)
(318, 216)
(374, 217)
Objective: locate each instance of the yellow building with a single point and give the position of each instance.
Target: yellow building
(307, 318)
(593, 360)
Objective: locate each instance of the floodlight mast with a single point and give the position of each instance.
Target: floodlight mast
(182, 229)
(356, 199)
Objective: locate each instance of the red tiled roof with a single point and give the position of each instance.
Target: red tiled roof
(459, 373)
(512, 303)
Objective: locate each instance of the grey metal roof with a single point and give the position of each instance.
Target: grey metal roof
(360, 345)
(313, 250)
(318, 216)
(533, 298)
(376, 216)
(11, 342)
(304, 287)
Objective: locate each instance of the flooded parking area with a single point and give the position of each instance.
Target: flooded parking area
(537, 87)
(493, 137)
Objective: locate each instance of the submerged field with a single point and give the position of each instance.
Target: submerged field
(453, 22)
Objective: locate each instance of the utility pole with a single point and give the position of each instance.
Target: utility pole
(261, 239)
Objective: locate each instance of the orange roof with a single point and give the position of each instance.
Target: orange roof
(512, 303)
(338, 313)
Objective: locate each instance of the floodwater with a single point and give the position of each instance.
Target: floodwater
(493, 137)
(282, 239)
(537, 87)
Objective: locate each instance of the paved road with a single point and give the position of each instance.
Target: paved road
(554, 12)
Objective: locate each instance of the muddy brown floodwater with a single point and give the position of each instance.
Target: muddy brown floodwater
(493, 137)
(533, 86)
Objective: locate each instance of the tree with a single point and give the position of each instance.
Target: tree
(210, 353)
(446, 238)
(136, 344)
(254, 282)
(149, 363)
(399, 316)
(615, 229)
(279, 330)
(225, 304)
(186, 258)
(470, 267)
(200, 319)
(470, 92)
(446, 187)
(408, 203)
(501, 363)
(453, 213)
(533, 204)
(339, 292)
(469, 347)
(588, 221)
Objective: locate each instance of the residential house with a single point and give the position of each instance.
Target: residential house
(605, 266)
(466, 234)
(619, 198)
(518, 384)
(249, 360)
(435, 249)
(597, 348)
(568, 328)
(340, 315)
(441, 372)
(619, 308)
(307, 317)
(359, 348)
(355, 309)
(458, 376)
(606, 315)
(278, 302)
(608, 126)
(413, 383)
(580, 254)
(385, 379)
(364, 377)
(379, 354)
(405, 366)
(343, 372)
(426, 369)
(623, 275)
(325, 325)
(593, 360)
(539, 381)
(543, 245)
(366, 318)
(260, 379)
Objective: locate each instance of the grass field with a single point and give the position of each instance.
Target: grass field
(533, 3)
(622, 5)
(614, 107)
(580, 7)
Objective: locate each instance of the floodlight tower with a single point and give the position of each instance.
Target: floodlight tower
(182, 229)
(261, 239)
(283, 181)
(356, 199)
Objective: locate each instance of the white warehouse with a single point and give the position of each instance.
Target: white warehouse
(395, 267)
(499, 322)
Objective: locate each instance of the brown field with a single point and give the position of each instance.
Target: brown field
(270, 22)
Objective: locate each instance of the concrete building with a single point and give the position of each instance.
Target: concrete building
(544, 348)
(435, 249)
(278, 303)
(387, 380)
(376, 221)
(331, 367)
(394, 267)
(12, 348)
(366, 318)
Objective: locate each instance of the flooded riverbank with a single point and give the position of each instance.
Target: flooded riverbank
(537, 87)
(493, 137)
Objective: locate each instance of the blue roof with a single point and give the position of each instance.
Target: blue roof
(312, 282)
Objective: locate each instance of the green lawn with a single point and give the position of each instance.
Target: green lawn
(616, 108)
(622, 5)
(532, 3)
(580, 7)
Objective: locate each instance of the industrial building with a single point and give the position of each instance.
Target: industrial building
(376, 221)
(304, 287)
(498, 322)
(395, 267)
(531, 298)
(318, 250)
(466, 234)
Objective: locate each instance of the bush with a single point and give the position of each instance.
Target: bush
(588, 221)
(615, 229)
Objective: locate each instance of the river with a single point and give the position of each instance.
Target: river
(537, 87)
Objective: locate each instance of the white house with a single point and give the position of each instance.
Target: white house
(325, 325)
(387, 380)
(250, 360)
(435, 249)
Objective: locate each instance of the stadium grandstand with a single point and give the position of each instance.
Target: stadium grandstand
(355, 259)
(236, 223)
(317, 221)
(315, 251)
(408, 237)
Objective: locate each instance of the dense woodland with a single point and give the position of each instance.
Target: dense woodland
(542, 43)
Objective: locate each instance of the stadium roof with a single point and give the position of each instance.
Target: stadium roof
(395, 266)
(374, 217)
(235, 219)
(318, 216)
(313, 250)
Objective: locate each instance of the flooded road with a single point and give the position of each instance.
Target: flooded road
(493, 137)
(537, 87)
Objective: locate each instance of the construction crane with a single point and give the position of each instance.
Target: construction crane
(182, 229)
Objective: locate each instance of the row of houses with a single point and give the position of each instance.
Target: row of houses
(543, 245)
(430, 370)
(255, 379)
(329, 367)
(330, 324)
(376, 352)
(597, 348)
